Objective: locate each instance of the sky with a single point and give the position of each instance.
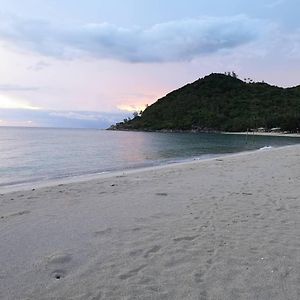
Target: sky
(91, 63)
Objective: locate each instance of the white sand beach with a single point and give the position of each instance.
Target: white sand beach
(226, 228)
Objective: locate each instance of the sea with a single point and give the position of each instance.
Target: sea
(30, 156)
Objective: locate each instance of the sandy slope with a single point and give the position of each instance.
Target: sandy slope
(222, 229)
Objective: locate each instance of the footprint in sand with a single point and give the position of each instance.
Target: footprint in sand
(132, 272)
(135, 229)
(198, 276)
(101, 233)
(185, 238)
(58, 259)
(136, 252)
(58, 274)
(154, 249)
(281, 208)
(20, 213)
(161, 194)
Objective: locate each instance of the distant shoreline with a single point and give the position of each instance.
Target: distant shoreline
(297, 135)
(211, 131)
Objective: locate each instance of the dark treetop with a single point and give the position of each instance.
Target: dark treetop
(221, 102)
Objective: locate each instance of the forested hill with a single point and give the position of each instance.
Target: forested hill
(222, 103)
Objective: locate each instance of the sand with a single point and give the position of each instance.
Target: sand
(226, 228)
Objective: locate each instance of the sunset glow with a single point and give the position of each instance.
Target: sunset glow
(9, 103)
(28, 123)
(132, 107)
(91, 65)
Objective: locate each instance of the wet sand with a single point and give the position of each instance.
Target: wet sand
(226, 228)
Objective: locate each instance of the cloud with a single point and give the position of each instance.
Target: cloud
(77, 115)
(13, 103)
(132, 107)
(41, 65)
(181, 40)
(282, 45)
(274, 3)
(16, 88)
(65, 119)
(292, 44)
(27, 123)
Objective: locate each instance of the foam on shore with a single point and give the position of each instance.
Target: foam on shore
(29, 185)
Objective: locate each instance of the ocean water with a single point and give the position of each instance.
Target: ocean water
(32, 155)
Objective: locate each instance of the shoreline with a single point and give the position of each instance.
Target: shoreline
(109, 174)
(275, 134)
(224, 228)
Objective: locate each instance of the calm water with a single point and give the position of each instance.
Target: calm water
(39, 154)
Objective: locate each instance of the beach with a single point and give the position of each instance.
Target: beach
(223, 228)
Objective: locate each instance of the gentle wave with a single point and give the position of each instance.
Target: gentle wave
(266, 148)
(40, 154)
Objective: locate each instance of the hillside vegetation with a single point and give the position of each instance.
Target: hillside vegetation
(221, 103)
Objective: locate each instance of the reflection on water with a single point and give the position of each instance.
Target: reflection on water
(35, 154)
(130, 147)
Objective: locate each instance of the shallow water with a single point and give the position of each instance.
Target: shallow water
(43, 154)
